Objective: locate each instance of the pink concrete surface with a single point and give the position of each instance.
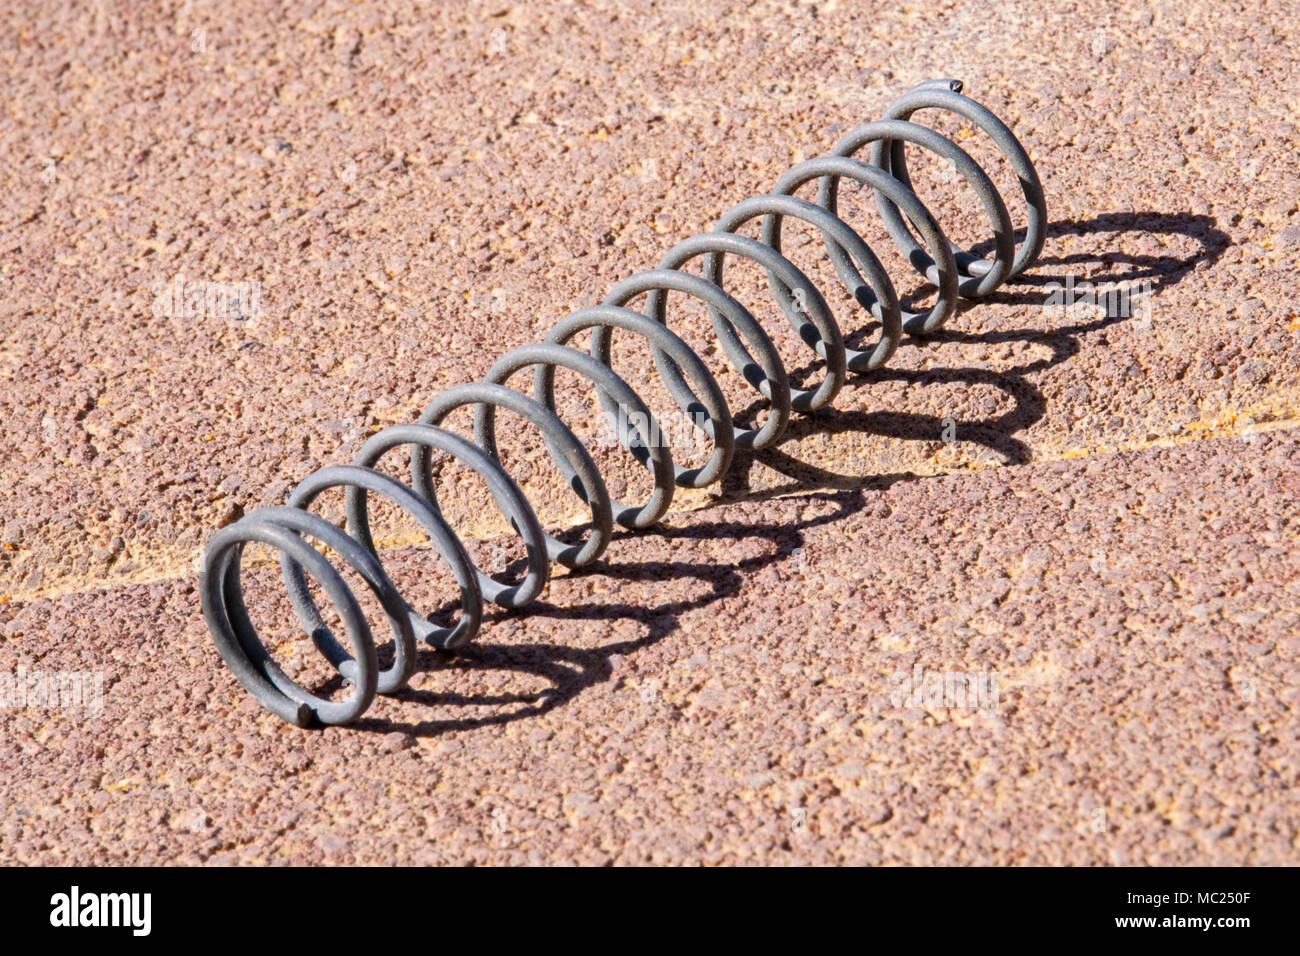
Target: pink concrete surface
(416, 188)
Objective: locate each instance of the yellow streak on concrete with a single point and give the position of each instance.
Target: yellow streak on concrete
(1229, 424)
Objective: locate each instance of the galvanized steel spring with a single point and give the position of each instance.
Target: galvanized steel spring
(952, 270)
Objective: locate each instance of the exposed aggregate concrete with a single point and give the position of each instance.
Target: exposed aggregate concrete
(417, 188)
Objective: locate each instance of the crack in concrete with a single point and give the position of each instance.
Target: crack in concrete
(164, 573)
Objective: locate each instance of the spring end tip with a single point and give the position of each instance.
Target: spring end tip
(954, 86)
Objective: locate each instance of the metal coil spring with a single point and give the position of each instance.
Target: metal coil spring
(954, 271)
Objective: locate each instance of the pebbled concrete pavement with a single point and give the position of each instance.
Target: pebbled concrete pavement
(1110, 532)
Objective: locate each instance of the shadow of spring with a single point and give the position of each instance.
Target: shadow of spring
(568, 671)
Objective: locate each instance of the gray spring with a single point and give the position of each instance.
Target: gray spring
(954, 272)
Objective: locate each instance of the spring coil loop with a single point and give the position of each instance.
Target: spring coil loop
(955, 272)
